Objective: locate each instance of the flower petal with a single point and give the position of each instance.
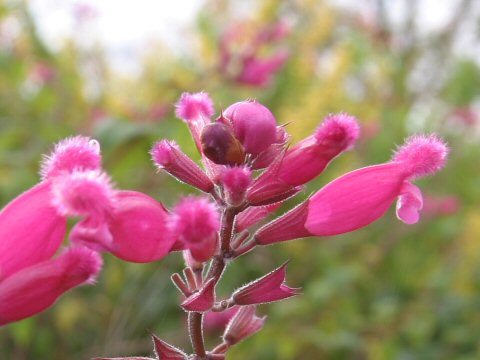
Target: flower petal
(37, 287)
(31, 230)
(354, 200)
(409, 204)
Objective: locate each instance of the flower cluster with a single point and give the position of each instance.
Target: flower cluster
(249, 169)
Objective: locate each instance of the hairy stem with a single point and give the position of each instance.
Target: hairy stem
(195, 328)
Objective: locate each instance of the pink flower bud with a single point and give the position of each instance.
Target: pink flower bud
(362, 196)
(289, 226)
(220, 145)
(195, 222)
(244, 324)
(196, 110)
(35, 288)
(202, 300)
(253, 124)
(165, 351)
(308, 159)
(168, 156)
(253, 215)
(216, 321)
(268, 288)
(235, 182)
(78, 152)
(20, 246)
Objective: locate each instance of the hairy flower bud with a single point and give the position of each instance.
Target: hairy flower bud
(244, 324)
(235, 181)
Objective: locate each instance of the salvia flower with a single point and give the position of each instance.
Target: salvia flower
(268, 288)
(195, 223)
(244, 324)
(362, 196)
(168, 156)
(37, 285)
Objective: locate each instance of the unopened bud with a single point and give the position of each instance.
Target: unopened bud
(220, 145)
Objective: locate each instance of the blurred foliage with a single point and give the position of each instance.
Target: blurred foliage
(389, 291)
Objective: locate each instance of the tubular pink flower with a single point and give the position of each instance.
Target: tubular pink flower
(35, 288)
(195, 222)
(244, 324)
(136, 232)
(308, 159)
(362, 196)
(268, 288)
(31, 230)
(168, 156)
(253, 124)
(77, 152)
(235, 181)
(202, 300)
(196, 110)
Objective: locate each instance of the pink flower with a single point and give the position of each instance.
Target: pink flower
(253, 124)
(259, 71)
(268, 288)
(195, 223)
(253, 215)
(168, 156)
(216, 321)
(37, 285)
(362, 196)
(244, 324)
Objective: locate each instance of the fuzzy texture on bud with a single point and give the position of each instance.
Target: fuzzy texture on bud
(362, 196)
(268, 288)
(244, 324)
(77, 152)
(195, 222)
(192, 106)
(253, 215)
(35, 288)
(308, 159)
(168, 156)
(253, 124)
(195, 110)
(235, 181)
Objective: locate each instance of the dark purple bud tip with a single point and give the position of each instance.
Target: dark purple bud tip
(220, 145)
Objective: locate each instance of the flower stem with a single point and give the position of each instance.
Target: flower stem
(195, 328)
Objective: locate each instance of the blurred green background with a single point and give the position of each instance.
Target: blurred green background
(389, 291)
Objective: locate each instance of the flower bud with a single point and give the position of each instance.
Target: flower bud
(253, 124)
(220, 145)
(235, 181)
(195, 222)
(168, 156)
(244, 324)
